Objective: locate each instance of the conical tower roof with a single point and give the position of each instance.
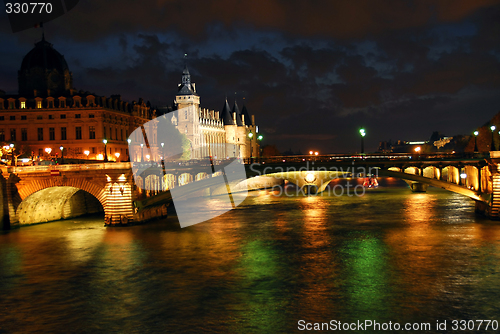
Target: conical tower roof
(226, 116)
(244, 112)
(238, 113)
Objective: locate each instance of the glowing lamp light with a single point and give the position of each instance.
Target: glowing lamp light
(100, 156)
(310, 177)
(148, 156)
(417, 149)
(362, 132)
(493, 128)
(129, 141)
(117, 155)
(48, 150)
(476, 133)
(105, 141)
(86, 153)
(463, 176)
(260, 137)
(311, 152)
(316, 153)
(250, 135)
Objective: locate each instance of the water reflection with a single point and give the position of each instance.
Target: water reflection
(389, 255)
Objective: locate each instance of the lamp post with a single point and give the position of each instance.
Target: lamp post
(492, 148)
(259, 138)
(475, 141)
(250, 135)
(62, 154)
(13, 163)
(129, 149)
(162, 153)
(105, 141)
(363, 134)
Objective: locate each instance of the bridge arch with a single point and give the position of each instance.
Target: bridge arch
(39, 184)
(56, 203)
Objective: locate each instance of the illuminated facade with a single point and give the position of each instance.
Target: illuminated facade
(209, 131)
(48, 113)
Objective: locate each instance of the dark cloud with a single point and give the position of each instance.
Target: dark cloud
(311, 72)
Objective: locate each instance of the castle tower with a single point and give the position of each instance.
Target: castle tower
(187, 103)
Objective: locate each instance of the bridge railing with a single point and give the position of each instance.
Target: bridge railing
(48, 168)
(371, 156)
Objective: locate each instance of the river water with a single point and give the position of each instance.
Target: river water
(389, 255)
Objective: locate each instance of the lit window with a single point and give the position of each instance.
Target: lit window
(39, 104)
(23, 105)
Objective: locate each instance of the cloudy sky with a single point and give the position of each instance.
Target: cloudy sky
(312, 72)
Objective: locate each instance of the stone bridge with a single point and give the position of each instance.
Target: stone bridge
(45, 193)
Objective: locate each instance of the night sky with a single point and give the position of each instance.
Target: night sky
(313, 72)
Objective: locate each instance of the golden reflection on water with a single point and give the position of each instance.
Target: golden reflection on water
(419, 251)
(317, 264)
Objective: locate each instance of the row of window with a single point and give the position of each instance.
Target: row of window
(24, 117)
(50, 104)
(52, 134)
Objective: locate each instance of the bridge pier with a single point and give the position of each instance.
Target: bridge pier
(417, 187)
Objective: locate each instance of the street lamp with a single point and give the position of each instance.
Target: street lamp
(105, 141)
(13, 163)
(475, 141)
(162, 153)
(129, 148)
(260, 137)
(363, 134)
(62, 154)
(250, 135)
(492, 148)
(142, 152)
(117, 155)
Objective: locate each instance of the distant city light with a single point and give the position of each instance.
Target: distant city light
(311, 152)
(316, 153)
(417, 149)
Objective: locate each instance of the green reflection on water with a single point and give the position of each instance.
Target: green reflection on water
(263, 296)
(366, 277)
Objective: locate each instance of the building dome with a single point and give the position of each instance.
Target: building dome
(43, 55)
(44, 72)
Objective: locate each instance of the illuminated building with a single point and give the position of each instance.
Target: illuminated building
(49, 113)
(209, 131)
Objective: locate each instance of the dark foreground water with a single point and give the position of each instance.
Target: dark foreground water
(387, 256)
